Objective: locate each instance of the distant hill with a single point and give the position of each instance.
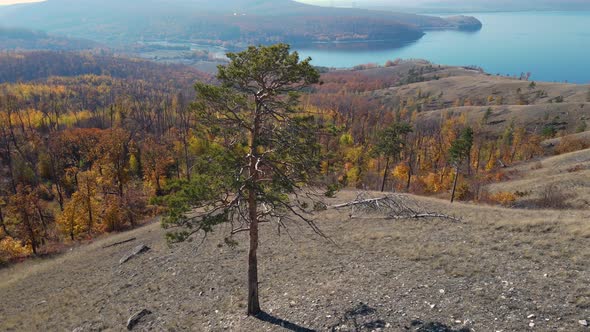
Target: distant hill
(431, 92)
(230, 21)
(510, 5)
(479, 5)
(40, 65)
(23, 39)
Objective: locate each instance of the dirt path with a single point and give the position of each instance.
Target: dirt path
(498, 270)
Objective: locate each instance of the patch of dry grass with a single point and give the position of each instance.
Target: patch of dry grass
(492, 269)
(566, 175)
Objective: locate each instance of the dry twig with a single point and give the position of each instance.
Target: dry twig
(393, 206)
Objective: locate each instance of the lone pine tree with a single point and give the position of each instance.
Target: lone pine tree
(259, 154)
(390, 144)
(459, 152)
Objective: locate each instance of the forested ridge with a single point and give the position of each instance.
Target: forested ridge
(89, 143)
(23, 39)
(35, 65)
(242, 22)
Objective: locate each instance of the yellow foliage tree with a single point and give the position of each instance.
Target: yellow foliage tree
(431, 182)
(401, 173)
(80, 213)
(69, 221)
(12, 248)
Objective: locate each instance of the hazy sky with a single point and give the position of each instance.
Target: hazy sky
(319, 2)
(12, 2)
(372, 2)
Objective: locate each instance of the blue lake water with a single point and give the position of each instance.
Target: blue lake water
(553, 46)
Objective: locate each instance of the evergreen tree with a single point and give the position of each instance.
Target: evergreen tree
(390, 144)
(261, 153)
(459, 152)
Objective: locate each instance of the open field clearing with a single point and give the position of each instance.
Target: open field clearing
(563, 116)
(465, 84)
(567, 175)
(497, 270)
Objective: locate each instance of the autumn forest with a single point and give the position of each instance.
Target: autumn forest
(89, 142)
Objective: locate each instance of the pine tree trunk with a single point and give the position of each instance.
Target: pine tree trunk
(385, 175)
(253, 301)
(31, 232)
(410, 172)
(60, 197)
(9, 163)
(186, 157)
(72, 228)
(455, 183)
(409, 180)
(2, 223)
(89, 207)
(58, 188)
(478, 159)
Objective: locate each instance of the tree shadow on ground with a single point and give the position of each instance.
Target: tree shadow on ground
(361, 318)
(364, 318)
(435, 327)
(265, 317)
(358, 319)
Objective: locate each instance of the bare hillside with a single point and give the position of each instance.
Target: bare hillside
(565, 178)
(563, 116)
(459, 86)
(435, 91)
(497, 270)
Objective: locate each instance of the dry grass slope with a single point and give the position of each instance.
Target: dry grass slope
(528, 104)
(487, 273)
(564, 116)
(459, 85)
(568, 174)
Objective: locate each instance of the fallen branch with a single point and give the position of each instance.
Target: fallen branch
(358, 202)
(140, 249)
(427, 215)
(416, 216)
(390, 207)
(119, 243)
(135, 318)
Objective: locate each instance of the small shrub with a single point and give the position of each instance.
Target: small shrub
(522, 193)
(463, 192)
(548, 131)
(501, 176)
(576, 168)
(332, 190)
(503, 198)
(498, 176)
(537, 165)
(319, 206)
(571, 144)
(552, 197)
(487, 115)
